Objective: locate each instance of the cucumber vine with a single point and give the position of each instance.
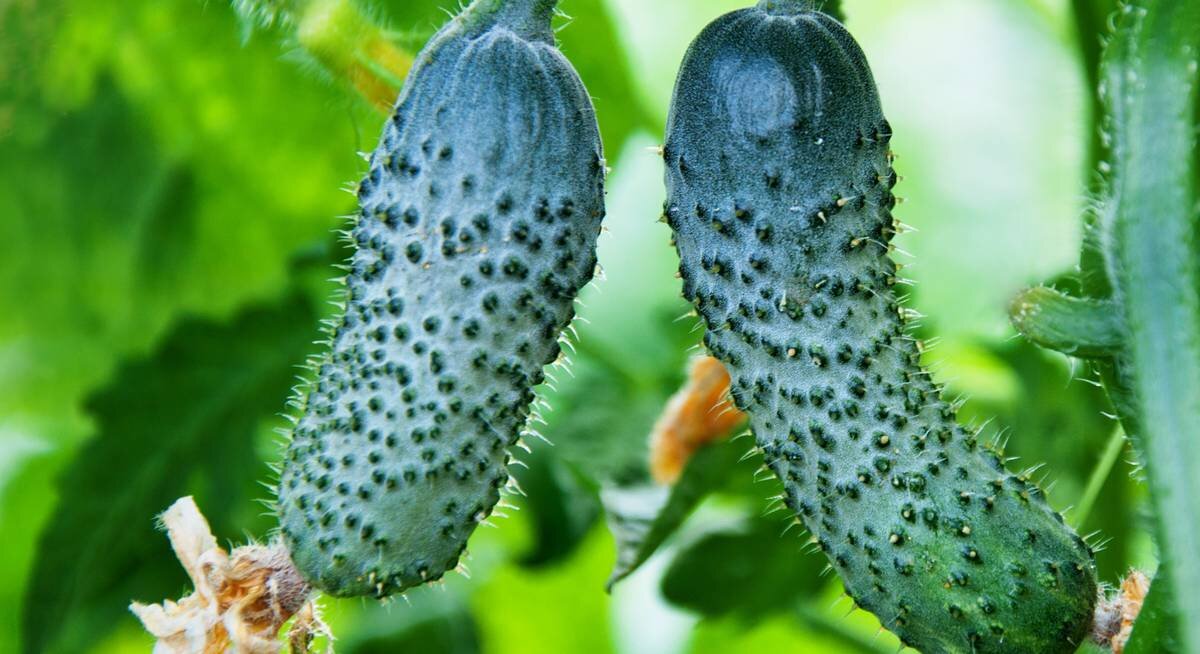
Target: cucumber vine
(1140, 318)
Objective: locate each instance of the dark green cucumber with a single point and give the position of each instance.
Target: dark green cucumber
(478, 227)
(780, 196)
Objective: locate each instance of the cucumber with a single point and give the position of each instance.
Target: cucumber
(478, 225)
(779, 182)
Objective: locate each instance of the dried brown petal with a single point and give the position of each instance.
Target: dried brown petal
(700, 413)
(241, 599)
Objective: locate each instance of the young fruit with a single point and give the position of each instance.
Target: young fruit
(478, 226)
(780, 196)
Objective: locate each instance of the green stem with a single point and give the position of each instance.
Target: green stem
(530, 19)
(1091, 26)
(1104, 467)
(1152, 94)
(343, 40)
(353, 48)
(1091, 18)
(1075, 326)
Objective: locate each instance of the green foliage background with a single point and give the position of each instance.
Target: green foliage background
(170, 178)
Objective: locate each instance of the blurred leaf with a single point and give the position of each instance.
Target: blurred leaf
(559, 505)
(656, 35)
(601, 416)
(1156, 629)
(436, 623)
(753, 571)
(165, 424)
(834, 8)
(151, 165)
(631, 350)
(837, 630)
(418, 19)
(641, 517)
(189, 214)
(548, 610)
(157, 169)
(591, 42)
(812, 632)
(940, 65)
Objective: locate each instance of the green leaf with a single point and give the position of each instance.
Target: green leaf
(641, 517)
(752, 570)
(601, 416)
(433, 623)
(194, 132)
(1156, 628)
(152, 165)
(561, 507)
(182, 421)
(813, 629)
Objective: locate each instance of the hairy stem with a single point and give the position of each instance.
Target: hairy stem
(1091, 18)
(1079, 327)
(344, 41)
(354, 49)
(1151, 83)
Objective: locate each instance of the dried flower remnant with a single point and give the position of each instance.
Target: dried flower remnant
(700, 413)
(1115, 616)
(242, 598)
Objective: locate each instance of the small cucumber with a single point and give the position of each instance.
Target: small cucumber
(478, 226)
(780, 196)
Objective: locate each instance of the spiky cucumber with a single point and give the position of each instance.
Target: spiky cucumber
(780, 196)
(478, 226)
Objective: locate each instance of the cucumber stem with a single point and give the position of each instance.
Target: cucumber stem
(1078, 327)
(529, 19)
(353, 48)
(1152, 81)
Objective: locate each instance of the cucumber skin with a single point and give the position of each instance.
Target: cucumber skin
(779, 187)
(478, 226)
